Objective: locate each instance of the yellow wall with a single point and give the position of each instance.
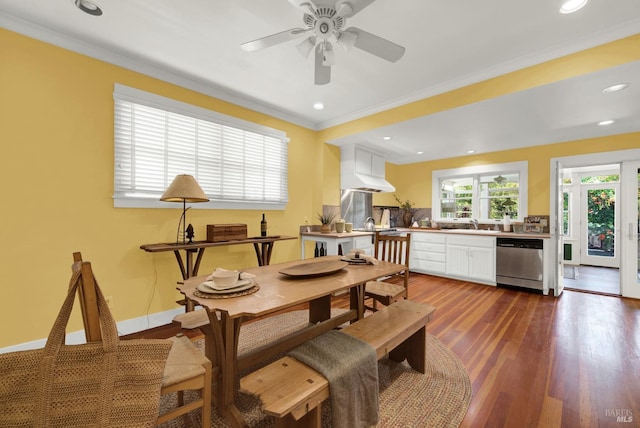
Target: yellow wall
(56, 163)
(413, 181)
(601, 57)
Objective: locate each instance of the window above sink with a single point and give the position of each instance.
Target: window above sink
(485, 192)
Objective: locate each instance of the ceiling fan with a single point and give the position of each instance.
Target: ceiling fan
(323, 27)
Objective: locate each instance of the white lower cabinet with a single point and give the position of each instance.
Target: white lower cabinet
(454, 255)
(472, 257)
(428, 253)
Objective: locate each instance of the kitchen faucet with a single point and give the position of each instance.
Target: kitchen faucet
(474, 222)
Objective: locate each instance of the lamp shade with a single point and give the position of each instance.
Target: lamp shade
(184, 188)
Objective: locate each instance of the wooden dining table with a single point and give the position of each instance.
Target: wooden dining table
(277, 291)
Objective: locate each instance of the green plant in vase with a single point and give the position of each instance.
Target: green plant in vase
(407, 209)
(325, 222)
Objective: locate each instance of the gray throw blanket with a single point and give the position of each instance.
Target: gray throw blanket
(351, 367)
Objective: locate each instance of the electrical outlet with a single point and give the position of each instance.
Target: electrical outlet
(306, 219)
(109, 300)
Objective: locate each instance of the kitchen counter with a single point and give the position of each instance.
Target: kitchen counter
(336, 234)
(480, 232)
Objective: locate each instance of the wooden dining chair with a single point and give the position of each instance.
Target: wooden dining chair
(186, 368)
(394, 249)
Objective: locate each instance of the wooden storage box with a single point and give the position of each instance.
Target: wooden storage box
(226, 232)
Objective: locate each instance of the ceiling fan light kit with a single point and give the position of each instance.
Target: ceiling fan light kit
(325, 26)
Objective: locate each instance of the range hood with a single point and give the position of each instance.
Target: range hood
(365, 183)
(362, 170)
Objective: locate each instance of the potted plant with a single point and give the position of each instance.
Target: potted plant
(325, 221)
(407, 209)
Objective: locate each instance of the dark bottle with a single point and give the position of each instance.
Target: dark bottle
(263, 226)
(322, 250)
(316, 252)
(340, 249)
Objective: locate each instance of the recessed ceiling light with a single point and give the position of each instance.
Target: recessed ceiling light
(571, 6)
(615, 88)
(420, 153)
(318, 106)
(88, 7)
(386, 138)
(470, 151)
(605, 122)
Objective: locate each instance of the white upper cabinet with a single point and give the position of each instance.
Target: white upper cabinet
(362, 170)
(369, 163)
(377, 166)
(363, 162)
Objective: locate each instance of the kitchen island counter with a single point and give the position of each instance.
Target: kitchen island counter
(334, 241)
(336, 234)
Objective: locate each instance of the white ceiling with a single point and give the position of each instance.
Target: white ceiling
(449, 44)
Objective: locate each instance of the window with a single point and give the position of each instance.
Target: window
(486, 193)
(566, 213)
(238, 164)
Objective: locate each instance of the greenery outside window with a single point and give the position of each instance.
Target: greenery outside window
(238, 164)
(486, 193)
(566, 213)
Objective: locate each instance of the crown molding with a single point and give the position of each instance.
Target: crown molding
(147, 68)
(189, 82)
(612, 34)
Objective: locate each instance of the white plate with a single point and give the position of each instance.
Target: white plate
(241, 285)
(353, 260)
(212, 284)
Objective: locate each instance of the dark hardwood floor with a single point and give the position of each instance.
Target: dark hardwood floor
(534, 360)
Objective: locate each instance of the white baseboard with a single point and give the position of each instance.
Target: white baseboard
(124, 327)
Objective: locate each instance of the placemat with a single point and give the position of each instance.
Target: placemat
(202, 295)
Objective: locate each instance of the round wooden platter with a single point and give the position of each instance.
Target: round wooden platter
(315, 268)
(202, 295)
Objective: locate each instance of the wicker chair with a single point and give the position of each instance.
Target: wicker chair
(186, 369)
(395, 249)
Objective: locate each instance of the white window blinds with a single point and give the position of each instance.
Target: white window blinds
(237, 163)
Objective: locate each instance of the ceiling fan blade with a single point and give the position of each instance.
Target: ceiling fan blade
(377, 46)
(306, 46)
(355, 6)
(322, 72)
(306, 6)
(272, 40)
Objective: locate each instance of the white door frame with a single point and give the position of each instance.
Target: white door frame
(626, 245)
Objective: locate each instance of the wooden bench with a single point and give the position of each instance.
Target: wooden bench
(192, 319)
(292, 391)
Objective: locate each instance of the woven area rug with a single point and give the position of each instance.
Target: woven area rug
(439, 398)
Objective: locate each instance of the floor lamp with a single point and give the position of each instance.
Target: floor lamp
(184, 188)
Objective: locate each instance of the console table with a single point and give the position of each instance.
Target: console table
(262, 245)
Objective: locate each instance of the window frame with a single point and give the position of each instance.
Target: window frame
(123, 199)
(521, 168)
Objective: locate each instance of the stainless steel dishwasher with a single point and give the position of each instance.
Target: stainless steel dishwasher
(519, 262)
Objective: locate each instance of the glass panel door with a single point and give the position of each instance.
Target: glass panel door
(599, 225)
(630, 229)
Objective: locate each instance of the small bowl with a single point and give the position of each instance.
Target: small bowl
(225, 278)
